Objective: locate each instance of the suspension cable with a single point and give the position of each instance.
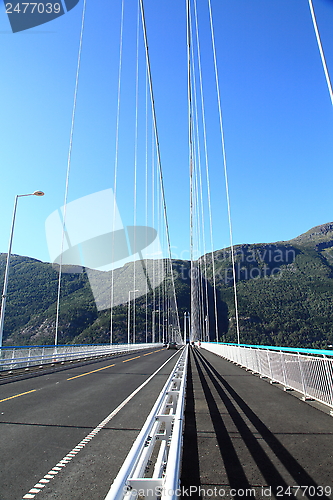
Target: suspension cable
(116, 160)
(153, 224)
(190, 145)
(207, 168)
(69, 158)
(202, 262)
(146, 194)
(225, 169)
(136, 160)
(158, 152)
(321, 50)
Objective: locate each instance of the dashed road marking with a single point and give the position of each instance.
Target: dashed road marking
(70, 455)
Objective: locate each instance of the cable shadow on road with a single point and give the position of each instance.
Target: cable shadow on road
(233, 467)
(265, 465)
(190, 475)
(59, 426)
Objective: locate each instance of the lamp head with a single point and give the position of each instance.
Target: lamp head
(38, 193)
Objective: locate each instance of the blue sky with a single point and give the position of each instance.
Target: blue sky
(278, 118)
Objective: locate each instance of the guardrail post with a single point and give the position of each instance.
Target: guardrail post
(284, 372)
(329, 381)
(12, 358)
(305, 397)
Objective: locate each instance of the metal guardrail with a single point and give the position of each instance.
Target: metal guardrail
(310, 374)
(12, 358)
(152, 467)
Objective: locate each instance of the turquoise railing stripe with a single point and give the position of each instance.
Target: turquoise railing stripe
(322, 352)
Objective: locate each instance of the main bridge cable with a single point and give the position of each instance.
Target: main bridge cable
(136, 167)
(146, 192)
(225, 169)
(69, 158)
(199, 209)
(207, 169)
(321, 50)
(203, 286)
(116, 161)
(190, 140)
(158, 152)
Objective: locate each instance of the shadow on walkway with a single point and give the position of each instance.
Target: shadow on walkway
(227, 446)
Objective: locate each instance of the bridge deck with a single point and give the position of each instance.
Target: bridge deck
(246, 438)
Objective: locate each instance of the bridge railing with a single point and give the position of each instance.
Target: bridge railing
(308, 371)
(13, 358)
(152, 467)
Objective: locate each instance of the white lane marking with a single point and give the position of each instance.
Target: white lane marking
(71, 454)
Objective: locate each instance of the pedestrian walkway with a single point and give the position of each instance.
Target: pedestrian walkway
(246, 438)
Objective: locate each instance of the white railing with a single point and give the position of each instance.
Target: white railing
(152, 467)
(309, 372)
(12, 358)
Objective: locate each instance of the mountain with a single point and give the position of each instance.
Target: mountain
(31, 299)
(284, 289)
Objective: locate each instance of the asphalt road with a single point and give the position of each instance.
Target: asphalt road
(246, 438)
(50, 444)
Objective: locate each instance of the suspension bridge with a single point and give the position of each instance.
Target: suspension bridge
(139, 419)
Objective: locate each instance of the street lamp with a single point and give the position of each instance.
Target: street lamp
(207, 327)
(129, 314)
(166, 330)
(153, 325)
(186, 315)
(5, 282)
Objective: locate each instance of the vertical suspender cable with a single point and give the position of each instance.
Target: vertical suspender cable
(202, 263)
(116, 159)
(69, 158)
(198, 266)
(158, 288)
(146, 200)
(207, 170)
(190, 139)
(321, 50)
(225, 169)
(158, 152)
(153, 224)
(136, 160)
(160, 263)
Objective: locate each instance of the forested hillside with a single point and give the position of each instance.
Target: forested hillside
(285, 295)
(285, 290)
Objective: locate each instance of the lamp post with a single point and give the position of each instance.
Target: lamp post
(186, 315)
(207, 327)
(166, 330)
(153, 325)
(129, 315)
(185, 327)
(5, 282)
